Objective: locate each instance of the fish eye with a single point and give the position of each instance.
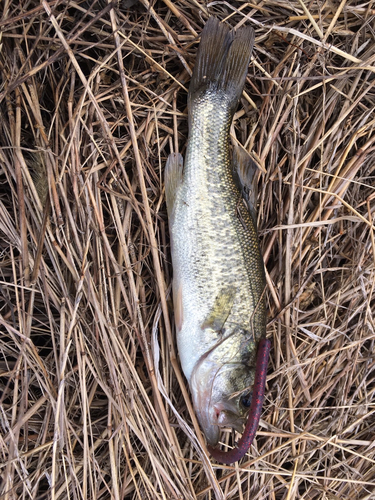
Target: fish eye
(245, 400)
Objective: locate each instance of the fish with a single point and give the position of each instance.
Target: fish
(218, 270)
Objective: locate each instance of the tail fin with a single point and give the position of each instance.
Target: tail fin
(222, 61)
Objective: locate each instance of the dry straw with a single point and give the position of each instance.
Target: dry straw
(92, 100)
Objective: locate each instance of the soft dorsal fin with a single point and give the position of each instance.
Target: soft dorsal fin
(245, 174)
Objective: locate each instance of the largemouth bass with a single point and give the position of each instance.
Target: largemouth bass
(218, 272)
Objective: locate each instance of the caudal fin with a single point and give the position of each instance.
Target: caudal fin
(222, 61)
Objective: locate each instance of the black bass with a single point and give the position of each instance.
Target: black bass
(218, 272)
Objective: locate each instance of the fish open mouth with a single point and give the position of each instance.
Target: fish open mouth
(231, 456)
(213, 409)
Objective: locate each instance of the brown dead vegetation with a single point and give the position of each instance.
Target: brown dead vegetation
(92, 100)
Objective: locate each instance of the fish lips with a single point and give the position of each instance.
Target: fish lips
(207, 417)
(213, 410)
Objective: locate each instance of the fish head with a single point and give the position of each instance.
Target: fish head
(221, 387)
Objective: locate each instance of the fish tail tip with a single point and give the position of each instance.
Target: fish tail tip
(222, 60)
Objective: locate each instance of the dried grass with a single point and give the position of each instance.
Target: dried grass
(92, 100)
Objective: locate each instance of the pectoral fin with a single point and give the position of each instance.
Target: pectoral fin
(220, 311)
(178, 309)
(173, 179)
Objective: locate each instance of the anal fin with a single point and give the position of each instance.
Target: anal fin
(173, 179)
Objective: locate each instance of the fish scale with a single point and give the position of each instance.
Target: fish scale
(218, 243)
(218, 273)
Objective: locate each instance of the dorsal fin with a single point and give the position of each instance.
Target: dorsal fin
(245, 174)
